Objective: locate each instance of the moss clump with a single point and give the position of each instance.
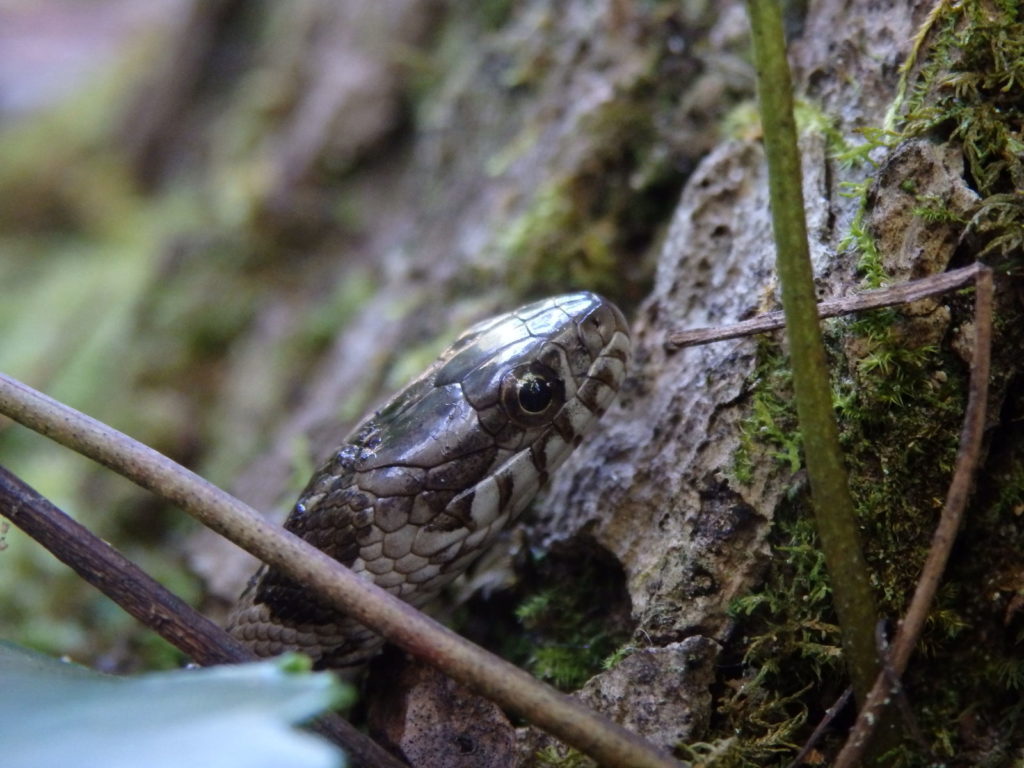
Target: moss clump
(566, 618)
(771, 425)
(790, 640)
(900, 420)
(968, 89)
(966, 85)
(900, 408)
(791, 647)
(569, 632)
(962, 84)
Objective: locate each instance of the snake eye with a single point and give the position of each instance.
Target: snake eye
(531, 394)
(534, 393)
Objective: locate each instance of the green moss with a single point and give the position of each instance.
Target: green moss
(569, 639)
(618, 655)
(999, 223)
(870, 262)
(853, 154)
(764, 728)
(771, 425)
(900, 403)
(810, 119)
(889, 410)
(963, 84)
(936, 211)
(969, 87)
(561, 757)
(900, 408)
(791, 646)
(791, 641)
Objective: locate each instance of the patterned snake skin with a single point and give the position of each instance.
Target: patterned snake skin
(425, 485)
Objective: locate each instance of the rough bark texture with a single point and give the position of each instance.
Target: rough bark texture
(381, 178)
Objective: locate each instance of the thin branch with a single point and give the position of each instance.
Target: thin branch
(512, 688)
(116, 576)
(830, 714)
(882, 297)
(830, 491)
(899, 693)
(152, 604)
(967, 460)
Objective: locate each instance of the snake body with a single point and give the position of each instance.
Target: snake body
(424, 486)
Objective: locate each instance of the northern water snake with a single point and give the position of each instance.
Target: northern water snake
(423, 487)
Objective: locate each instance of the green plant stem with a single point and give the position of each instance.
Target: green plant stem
(833, 506)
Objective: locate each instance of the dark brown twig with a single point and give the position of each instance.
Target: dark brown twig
(150, 602)
(830, 714)
(116, 576)
(945, 533)
(898, 691)
(883, 297)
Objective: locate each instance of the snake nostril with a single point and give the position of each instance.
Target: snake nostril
(466, 744)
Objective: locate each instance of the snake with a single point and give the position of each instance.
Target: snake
(427, 483)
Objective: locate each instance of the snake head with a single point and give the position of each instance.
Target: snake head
(425, 485)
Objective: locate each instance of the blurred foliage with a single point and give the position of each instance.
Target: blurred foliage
(79, 249)
(131, 302)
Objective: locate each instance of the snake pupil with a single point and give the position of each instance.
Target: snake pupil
(534, 393)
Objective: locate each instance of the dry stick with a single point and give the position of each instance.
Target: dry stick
(512, 688)
(899, 693)
(151, 603)
(945, 533)
(830, 714)
(883, 297)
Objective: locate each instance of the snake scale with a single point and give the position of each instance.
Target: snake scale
(424, 486)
